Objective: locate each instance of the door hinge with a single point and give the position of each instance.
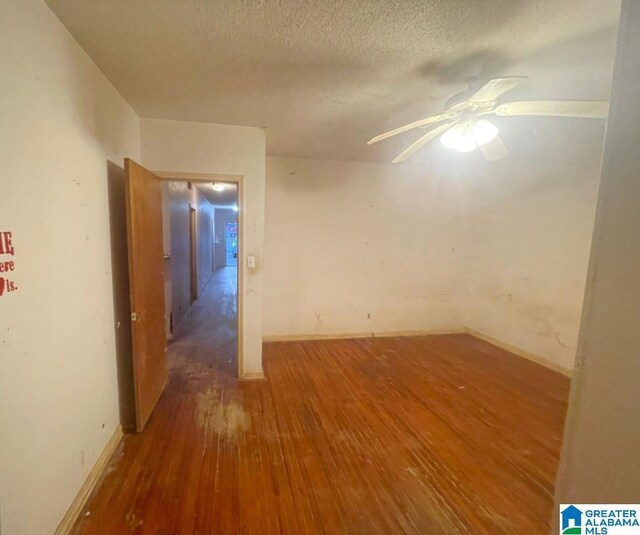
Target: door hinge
(135, 316)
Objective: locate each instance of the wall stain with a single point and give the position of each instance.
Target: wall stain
(534, 323)
(556, 335)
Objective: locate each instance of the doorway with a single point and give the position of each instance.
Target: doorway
(175, 295)
(203, 276)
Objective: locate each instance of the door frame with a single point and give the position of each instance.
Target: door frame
(238, 181)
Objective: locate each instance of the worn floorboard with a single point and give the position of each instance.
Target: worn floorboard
(438, 434)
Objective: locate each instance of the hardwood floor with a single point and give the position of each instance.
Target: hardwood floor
(429, 434)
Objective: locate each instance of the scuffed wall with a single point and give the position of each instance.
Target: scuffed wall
(527, 234)
(64, 132)
(497, 248)
(356, 248)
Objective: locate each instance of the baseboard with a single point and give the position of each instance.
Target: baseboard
(89, 484)
(380, 334)
(538, 359)
(252, 376)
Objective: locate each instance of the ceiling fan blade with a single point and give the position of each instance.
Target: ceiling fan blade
(589, 109)
(422, 141)
(494, 150)
(417, 124)
(495, 88)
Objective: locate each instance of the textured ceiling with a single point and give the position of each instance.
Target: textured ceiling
(324, 76)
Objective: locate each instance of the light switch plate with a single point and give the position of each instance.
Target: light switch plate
(251, 262)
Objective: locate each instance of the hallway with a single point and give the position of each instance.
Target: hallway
(208, 336)
(439, 434)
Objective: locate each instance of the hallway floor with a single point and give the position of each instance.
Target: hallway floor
(429, 435)
(208, 336)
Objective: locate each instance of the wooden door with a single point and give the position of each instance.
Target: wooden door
(146, 280)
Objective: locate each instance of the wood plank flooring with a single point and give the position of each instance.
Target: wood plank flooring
(429, 434)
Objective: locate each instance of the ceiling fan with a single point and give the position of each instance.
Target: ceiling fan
(462, 125)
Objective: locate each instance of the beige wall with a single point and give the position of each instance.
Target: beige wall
(600, 459)
(355, 248)
(211, 148)
(64, 132)
(527, 233)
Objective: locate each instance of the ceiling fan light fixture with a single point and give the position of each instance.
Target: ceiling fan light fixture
(452, 137)
(484, 131)
(466, 143)
(460, 137)
(465, 137)
(461, 129)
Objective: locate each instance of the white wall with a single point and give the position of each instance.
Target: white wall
(527, 225)
(61, 123)
(176, 146)
(356, 248)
